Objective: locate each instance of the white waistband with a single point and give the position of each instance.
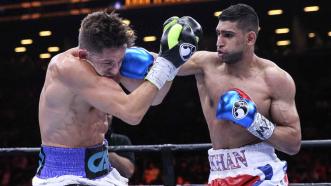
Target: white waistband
(243, 157)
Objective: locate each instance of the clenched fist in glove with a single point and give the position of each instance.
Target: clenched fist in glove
(178, 43)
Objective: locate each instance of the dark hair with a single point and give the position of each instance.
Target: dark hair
(104, 29)
(243, 14)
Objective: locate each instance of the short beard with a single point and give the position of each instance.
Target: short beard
(232, 58)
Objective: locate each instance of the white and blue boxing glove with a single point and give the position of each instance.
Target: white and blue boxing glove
(136, 63)
(236, 106)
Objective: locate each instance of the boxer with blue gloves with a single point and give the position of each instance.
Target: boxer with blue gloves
(236, 106)
(244, 130)
(72, 120)
(136, 63)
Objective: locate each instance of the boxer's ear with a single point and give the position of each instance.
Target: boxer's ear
(251, 38)
(78, 52)
(82, 53)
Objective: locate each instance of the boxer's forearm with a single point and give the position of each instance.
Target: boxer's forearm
(138, 102)
(162, 93)
(286, 139)
(132, 84)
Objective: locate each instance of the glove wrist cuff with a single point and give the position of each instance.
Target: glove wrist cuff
(261, 127)
(173, 75)
(161, 71)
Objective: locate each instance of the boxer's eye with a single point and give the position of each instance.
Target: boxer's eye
(108, 62)
(228, 35)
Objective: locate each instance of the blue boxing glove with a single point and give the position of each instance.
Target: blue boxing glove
(136, 63)
(236, 106)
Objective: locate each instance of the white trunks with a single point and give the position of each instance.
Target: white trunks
(249, 165)
(113, 178)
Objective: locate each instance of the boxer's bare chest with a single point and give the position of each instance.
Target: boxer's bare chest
(212, 84)
(215, 82)
(85, 113)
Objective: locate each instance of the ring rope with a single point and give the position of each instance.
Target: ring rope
(291, 184)
(310, 184)
(163, 147)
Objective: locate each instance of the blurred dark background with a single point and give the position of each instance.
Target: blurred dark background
(304, 52)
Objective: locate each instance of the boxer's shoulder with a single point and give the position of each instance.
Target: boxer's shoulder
(278, 80)
(203, 55)
(205, 58)
(270, 69)
(69, 69)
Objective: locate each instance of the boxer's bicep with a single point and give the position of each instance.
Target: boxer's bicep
(130, 84)
(106, 95)
(284, 113)
(287, 133)
(283, 107)
(100, 92)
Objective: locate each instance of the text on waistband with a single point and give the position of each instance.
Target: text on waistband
(228, 161)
